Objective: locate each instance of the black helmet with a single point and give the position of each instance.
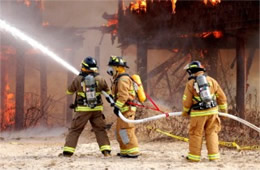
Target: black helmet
(117, 61)
(194, 67)
(89, 63)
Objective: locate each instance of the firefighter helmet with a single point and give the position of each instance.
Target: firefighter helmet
(194, 67)
(117, 61)
(89, 63)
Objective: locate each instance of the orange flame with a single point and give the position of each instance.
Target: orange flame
(138, 6)
(173, 6)
(8, 114)
(112, 22)
(8, 111)
(213, 2)
(216, 34)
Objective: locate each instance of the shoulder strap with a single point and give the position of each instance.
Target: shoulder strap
(83, 74)
(121, 75)
(116, 81)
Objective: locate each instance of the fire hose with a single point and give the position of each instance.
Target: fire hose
(179, 114)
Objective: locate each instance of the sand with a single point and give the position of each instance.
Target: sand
(40, 152)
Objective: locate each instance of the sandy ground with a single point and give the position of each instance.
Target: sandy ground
(42, 153)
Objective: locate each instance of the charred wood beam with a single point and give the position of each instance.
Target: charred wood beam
(213, 62)
(181, 65)
(97, 55)
(168, 83)
(164, 65)
(250, 61)
(2, 85)
(142, 62)
(241, 76)
(19, 99)
(160, 77)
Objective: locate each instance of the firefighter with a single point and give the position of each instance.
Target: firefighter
(202, 100)
(123, 91)
(88, 107)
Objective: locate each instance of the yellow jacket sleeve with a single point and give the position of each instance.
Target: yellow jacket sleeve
(187, 98)
(75, 85)
(123, 87)
(221, 98)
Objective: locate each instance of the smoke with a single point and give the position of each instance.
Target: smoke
(34, 132)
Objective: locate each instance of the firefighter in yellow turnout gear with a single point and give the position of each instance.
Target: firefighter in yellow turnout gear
(202, 100)
(123, 91)
(88, 107)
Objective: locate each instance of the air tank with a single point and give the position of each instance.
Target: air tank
(140, 91)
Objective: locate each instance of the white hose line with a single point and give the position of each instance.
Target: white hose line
(240, 120)
(179, 114)
(149, 118)
(35, 44)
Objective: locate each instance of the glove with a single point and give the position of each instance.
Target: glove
(185, 114)
(223, 117)
(109, 100)
(116, 110)
(72, 106)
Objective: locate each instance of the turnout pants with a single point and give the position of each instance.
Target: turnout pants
(78, 123)
(125, 133)
(211, 126)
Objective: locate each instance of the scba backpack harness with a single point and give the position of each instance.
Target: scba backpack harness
(202, 87)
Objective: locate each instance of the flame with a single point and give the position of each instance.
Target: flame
(138, 6)
(9, 111)
(216, 34)
(205, 34)
(112, 22)
(213, 2)
(8, 97)
(173, 6)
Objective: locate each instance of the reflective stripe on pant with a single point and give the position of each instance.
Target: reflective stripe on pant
(125, 133)
(68, 149)
(211, 125)
(77, 126)
(105, 148)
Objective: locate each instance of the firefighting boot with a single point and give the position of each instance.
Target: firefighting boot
(106, 153)
(128, 155)
(190, 160)
(65, 154)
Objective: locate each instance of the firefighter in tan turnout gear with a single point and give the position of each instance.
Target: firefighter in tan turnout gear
(88, 107)
(202, 100)
(123, 91)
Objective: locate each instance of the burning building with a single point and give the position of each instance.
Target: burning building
(185, 26)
